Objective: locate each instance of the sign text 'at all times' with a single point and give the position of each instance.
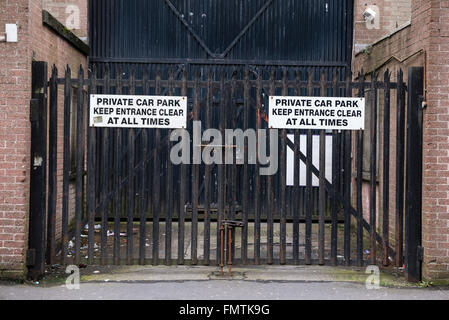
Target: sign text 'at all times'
(138, 111)
(320, 113)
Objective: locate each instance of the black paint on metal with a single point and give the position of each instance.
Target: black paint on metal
(38, 184)
(413, 215)
(373, 169)
(386, 172)
(79, 170)
(66, 167)
(359, 182)
(223, 188)
(226, 58)
(400, 168)
(52, 167)
(315, 31)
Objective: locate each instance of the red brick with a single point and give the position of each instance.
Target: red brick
(40, 43)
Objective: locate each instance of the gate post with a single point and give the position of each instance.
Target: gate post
(413, 236)
(38, 185)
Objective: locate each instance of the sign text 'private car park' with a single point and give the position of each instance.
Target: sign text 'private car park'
(129, 111)
(318, 113)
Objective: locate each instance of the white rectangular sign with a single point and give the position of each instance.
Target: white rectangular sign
(320, 113)
(126, 111)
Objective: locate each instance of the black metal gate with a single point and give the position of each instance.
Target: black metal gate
(130, 204)
(120, 198)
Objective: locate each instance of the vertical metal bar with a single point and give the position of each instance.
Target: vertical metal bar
(130, 199)
(347, 182)
(105, 178)
(373, 169)
(207, 174)
(322, 198)
(283, 184)
(38, 174)
(156, 180)
(297, 181)
(335, 183)
(66, 165)
(221, 250)
(347, 196)
(105, 202)
(131, 182)
(117, 177)
(258, 191)
(142, 193)
(386, 172)
(360, 136)
(110, 157)
(270, 192)
(79, 164)
(232, 182)
(221, 178)
(322, 182)
(400, 143)
(181, 219)
(117, 196)
(308, 205)
(229, 251)
(52, 167)
(91, 173)
(196, 175)
(246, 97)
(413, 215)
(143, 200)
(170, 189)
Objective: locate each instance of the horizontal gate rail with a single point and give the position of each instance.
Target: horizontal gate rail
(239, 83)
(220, 62)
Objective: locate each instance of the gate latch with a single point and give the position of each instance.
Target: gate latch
(233, 224)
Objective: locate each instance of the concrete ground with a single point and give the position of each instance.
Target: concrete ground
(206, 283)
(219, 290)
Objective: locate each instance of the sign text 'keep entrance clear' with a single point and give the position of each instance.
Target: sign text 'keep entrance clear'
(130, 111)
(317, 113)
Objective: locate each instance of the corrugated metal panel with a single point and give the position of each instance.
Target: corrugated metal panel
(309, 31)
(310, 36)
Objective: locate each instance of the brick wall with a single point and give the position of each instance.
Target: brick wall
(71, 13)
(15, 93)
(39, 43)
(435, 15)
(392, 14)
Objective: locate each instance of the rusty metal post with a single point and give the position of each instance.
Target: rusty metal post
(229, 250)
(229, 225)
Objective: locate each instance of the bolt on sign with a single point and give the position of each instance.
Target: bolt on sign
(130, 111)
(318, 113)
